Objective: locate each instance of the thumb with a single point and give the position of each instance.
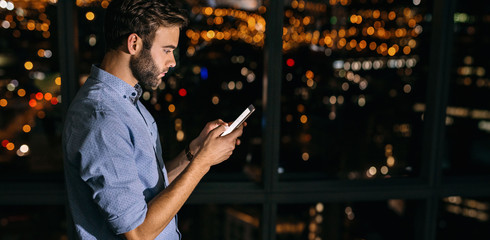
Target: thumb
(218, 131)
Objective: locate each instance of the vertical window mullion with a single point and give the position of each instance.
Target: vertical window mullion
(272, 112)
(67, 29)
(435, 114)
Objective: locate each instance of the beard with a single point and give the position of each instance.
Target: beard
(144, 69)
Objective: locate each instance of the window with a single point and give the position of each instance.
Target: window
(390, 219)
(31, 114)
(468, 110)
(353, 86)
(463, 217)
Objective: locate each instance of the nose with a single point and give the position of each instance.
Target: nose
(172, 62)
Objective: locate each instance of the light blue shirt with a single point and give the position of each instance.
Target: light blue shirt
(113, 159)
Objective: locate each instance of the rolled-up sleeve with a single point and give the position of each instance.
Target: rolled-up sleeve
(107, 165)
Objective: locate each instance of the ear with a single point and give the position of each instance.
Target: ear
(134, 43)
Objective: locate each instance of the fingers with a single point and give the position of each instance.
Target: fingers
(237, 132)
(216, 132)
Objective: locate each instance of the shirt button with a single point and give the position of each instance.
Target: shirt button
(124, 96)
(134, 94)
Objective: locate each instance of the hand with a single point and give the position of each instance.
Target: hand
(244, 124)
(197, 143)
(217, 148)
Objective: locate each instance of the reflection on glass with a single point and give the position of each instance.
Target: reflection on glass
(210, 222)
(30, 111)
(218, 74)
(32, 222)
(468, 111)
(464, 218)
(392, 219)
(353, 88)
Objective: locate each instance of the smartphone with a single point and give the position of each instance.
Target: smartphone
(240, 119)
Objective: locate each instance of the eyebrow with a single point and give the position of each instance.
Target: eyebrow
(170, 46)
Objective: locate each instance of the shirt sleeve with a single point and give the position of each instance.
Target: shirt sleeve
(108, 167)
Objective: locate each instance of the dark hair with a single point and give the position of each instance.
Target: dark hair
(143, 17)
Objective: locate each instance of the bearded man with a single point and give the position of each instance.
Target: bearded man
(118, 185)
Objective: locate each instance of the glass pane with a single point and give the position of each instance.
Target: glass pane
(353, 87)
(464, 218)
(32, 222)
(218, 74)
(30, 116)
(468, 112)
(392, 219)
(91, 41)
(227, 222)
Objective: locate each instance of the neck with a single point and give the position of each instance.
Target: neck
(116, 62)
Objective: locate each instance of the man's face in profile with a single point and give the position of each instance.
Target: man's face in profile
(150, 65)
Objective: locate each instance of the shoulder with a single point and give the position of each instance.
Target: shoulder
(95, 104)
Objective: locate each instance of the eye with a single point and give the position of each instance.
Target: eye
(167, 51)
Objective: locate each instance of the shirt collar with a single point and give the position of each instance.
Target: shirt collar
(125, 90)
(139, 92)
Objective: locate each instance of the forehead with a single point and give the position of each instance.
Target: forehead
(166, 36)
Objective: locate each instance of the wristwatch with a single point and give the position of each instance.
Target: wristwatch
(188, 153)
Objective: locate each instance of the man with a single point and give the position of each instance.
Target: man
(117, 183)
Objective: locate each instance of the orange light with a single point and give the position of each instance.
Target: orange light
(342, 33)
(370, 30)
(3, 102)
(218, 20)
(46, 34)
(353, 18)
(40, 52)
(412, 23)
(306, 20)
(31, 25)
(28, 65)
(45, 27)
(39, 96)
(32, 103)
(104, 4)
(362, 44)
(210, 34)
(90, 16)
(372, 46)
(48, 96)
(391, 15)
(208, 11)
(10, 146)
(54, 101)
(57, 81)
(304, 119)
(391, 51)
(26, 128)
(353, 43)
(171, 108)
(21, 92)
(406, 50)
(301, 108)
(310, 74)
(328, 40)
